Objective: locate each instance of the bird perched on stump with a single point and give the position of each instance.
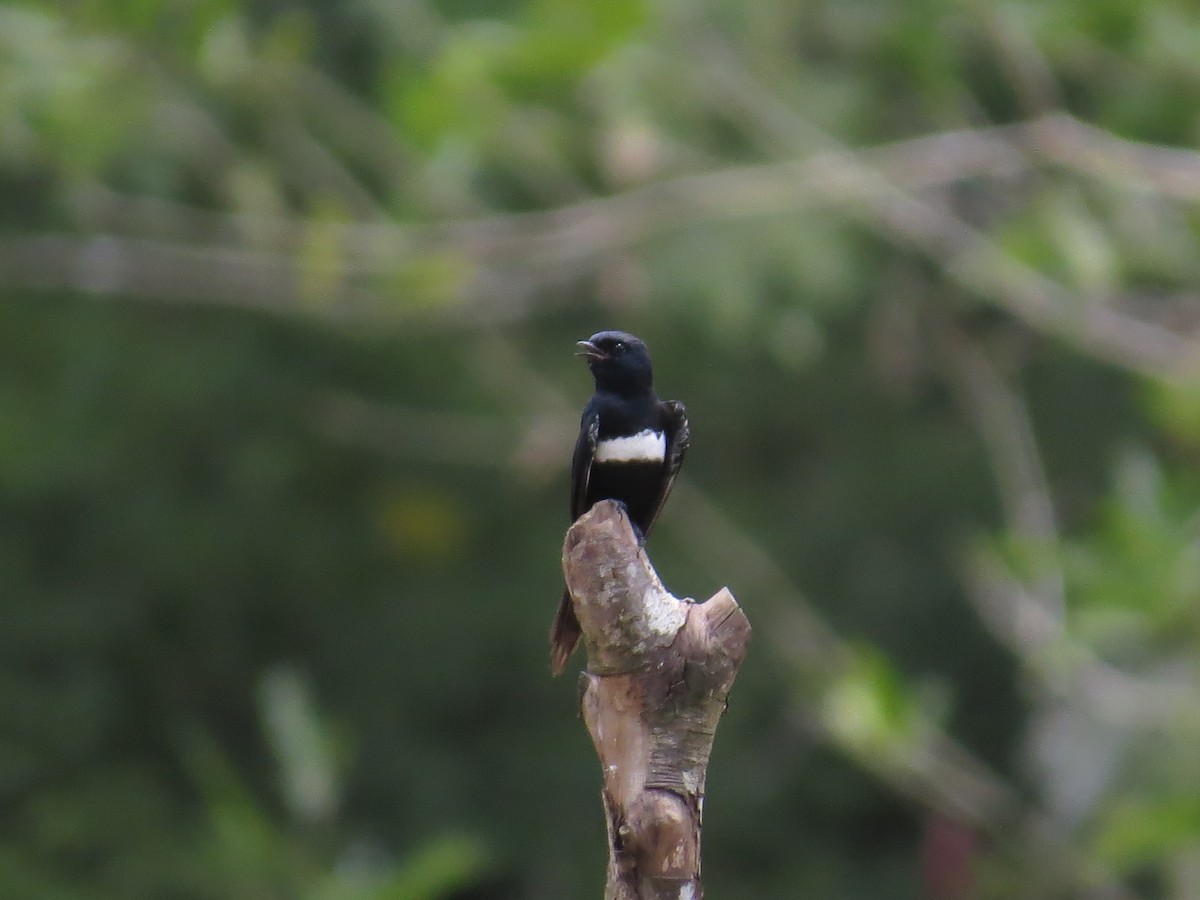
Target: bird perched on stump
(630, 448)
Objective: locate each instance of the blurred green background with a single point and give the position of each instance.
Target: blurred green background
(288, 297)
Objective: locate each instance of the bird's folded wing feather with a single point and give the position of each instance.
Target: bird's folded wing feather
(679, 438)
(581, 461)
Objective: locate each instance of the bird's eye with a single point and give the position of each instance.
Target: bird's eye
(619, 347)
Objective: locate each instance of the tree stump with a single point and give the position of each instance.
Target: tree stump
(658, 672)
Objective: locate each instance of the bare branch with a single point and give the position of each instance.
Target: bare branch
(1003, 422)
(1171, 171)
(498, 265)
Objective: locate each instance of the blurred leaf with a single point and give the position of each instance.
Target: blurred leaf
(66, 100)
(1138, 575)
(323, 267)
(869, 708)
(458, 95)
(246, 847)
(1176, 408)
(564, 39)
(250, 187)
(1137, 831)
(226, 58)
(307, 754)
(1086, 251)
(429, 280)
(435, 871)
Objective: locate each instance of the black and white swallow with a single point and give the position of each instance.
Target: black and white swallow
(630, 448)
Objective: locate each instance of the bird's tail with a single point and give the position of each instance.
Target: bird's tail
(564, 634)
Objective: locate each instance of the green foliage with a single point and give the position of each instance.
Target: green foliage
(1138, 573)
(869, 711)
(68, 99)
(276, 579)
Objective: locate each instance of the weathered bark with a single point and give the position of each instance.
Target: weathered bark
(659, 670)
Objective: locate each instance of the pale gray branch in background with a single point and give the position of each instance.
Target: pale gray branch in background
(499, 267)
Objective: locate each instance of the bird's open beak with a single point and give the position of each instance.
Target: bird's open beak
(590, 350)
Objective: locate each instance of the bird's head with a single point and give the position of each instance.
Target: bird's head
(619, 361)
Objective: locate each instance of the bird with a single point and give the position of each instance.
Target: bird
(630, 447)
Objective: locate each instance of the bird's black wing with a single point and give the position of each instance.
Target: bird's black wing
(679, 438)
(581, 461)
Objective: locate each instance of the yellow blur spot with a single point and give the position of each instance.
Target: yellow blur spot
(423, 525)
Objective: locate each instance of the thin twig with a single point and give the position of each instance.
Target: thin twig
(1002, 420)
